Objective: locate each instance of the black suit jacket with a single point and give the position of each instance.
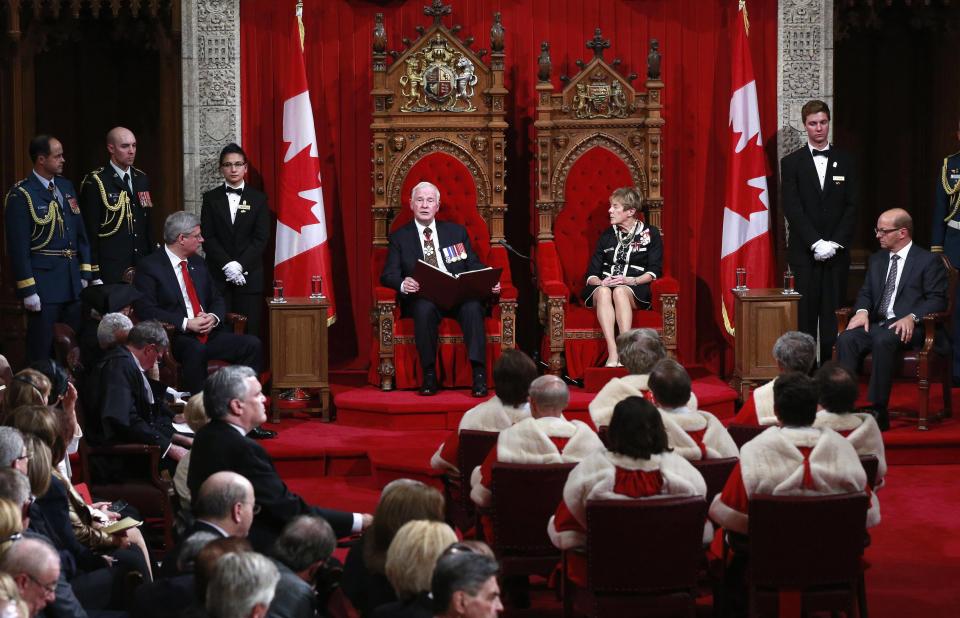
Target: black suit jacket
(162, 300)
(169, 566)
(242, 240)
(219, 446)
(406, 247)
(922, 289)
(814, 213)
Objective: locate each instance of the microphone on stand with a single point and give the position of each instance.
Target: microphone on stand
(503, 243)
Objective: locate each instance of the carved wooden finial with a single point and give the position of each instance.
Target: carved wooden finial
(496, 34)
(543, 62)
(598, 44)
(379, 34)
(653, 60)
(437, 10)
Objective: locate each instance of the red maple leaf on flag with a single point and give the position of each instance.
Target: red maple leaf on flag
(300, 194)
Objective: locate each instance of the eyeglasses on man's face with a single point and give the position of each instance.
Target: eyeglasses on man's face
(50, 588)
(233, 164)
(881, 231)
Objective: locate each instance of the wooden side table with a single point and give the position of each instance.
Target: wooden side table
(298, 350)
(761, 315)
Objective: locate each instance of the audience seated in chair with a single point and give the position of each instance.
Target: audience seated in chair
(35, 567)
(364, 580)
(63, 399)
(628, 258)
(233, 399)
(300, 553)
(639, 350)
(242, 586)
(224, 507)
(545, 438)
(793, 351)
(196, 418)
(512, 375)
(125, 406)
(101, 301)
(692, 434)
(793, 459)
(170, 597)
(838, 392)
(637, 464)
(464, 584)
(13, 453)
(411, 560)
(28, 387)
(177, 289)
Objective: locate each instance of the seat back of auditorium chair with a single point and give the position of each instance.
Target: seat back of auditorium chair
(473, 448)
(742, 434)
(524, 498)
(715, 473)
(871, 465)
(644, 546)
(821, 535)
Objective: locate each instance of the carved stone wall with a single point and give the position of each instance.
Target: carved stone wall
(804, 67)
(211, 91)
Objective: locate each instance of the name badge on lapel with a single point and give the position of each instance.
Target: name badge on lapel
(454, 253)
(243, 207)
(838, 179)
(74, 207)
(144, 197)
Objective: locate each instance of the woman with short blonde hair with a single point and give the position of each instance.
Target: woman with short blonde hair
(413, 555)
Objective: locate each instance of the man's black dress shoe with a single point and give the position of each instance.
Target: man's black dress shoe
(429, 386)
(259, 433)
(479, 385)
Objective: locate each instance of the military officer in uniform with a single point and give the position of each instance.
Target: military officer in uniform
(48, 247)
(115, 200)
(946, 231)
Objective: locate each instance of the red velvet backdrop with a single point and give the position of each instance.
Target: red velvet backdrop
(694, 42)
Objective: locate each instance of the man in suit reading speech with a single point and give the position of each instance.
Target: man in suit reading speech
(446, 246)
(904, 282)
(177, 289)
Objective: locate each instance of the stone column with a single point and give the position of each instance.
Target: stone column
(211, 91)
(804, 67)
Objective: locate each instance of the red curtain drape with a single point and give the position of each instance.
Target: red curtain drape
(695, 45)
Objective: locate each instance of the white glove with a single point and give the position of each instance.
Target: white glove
(239, 280)
(97, 282)
(32, 302)
(232, 269)
(823, 250)
(84, 283)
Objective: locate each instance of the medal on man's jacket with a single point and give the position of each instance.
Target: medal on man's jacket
(454, 253)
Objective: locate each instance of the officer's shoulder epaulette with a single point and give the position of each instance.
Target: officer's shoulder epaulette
(138, 170)
(950, 156)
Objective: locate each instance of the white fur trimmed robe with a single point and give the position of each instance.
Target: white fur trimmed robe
(491, 415)
(528, 442)
(695, 434)
(773, 464)
(862, 431)
(618, 389)
(594, 479)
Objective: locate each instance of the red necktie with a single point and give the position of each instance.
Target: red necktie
(192, 295)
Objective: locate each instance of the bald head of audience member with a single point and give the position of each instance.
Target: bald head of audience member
(35, 567)
(305, 545)
(549, 396)
(226, 500)
(242, 586)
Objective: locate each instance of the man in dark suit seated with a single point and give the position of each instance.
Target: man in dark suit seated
(177, 289)
(904, 282)
(224, 507)
(126, 405)
(429, 240)
(233, 399)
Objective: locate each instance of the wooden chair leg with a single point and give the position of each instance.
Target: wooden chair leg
(924, 391)
(862, 597)
(947, 388)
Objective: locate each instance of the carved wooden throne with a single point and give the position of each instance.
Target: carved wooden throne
(438, 116)
(595, 135)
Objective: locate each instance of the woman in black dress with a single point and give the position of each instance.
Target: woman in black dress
(628, 258)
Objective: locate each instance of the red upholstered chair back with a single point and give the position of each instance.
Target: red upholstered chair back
(715, 473)
(871, 465)
(593, 177)
(644, 545)
(821, 535)
(524, 498)
(742, 434)
(458, 197)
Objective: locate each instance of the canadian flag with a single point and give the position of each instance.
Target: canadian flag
(301, 239)
(746, 211)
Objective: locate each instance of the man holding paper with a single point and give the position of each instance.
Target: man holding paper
(445, 246)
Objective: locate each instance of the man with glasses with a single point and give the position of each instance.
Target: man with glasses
(820, 199)
(116, 204)
(177, 288)
(35, 567)
(125, 406)
(236, 223)
(904, 282)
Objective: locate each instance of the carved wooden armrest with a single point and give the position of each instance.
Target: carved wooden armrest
(238, 321)
(843, 318)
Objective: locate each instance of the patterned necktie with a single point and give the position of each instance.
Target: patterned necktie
(888, 287)
(54, 193)
(192, 295)
(429, 252)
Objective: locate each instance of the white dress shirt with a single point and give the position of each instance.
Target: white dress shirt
(175, 262)
(233, 199)
(820, 163)
(900, 264)
(120, 172)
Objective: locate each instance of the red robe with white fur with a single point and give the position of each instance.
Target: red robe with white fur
(546, 440)
(491, 415)
(618, 389)
(862, 431)
(696, 434)
(758, 410)
(790, 461)
(606, 475)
